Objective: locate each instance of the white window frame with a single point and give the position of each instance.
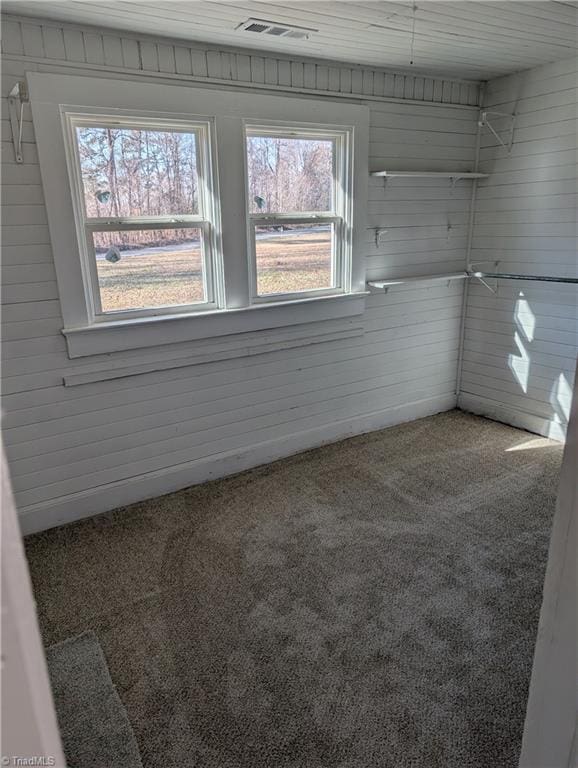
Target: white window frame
(233, 309)
(339, 215)
(204, 220)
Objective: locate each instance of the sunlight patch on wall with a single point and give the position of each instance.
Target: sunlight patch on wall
(557, 430)
(561, 399)
(520, 364)
(561, 396)
(525, 318)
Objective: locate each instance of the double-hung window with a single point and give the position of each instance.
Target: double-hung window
(178, 214)
(142, 194)
(298, 211)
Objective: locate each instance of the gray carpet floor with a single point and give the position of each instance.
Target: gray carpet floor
(369, 604)
(94, 726)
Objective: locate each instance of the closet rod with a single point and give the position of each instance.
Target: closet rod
(509, 276)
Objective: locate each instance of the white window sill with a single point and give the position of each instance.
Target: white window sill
(139, 333)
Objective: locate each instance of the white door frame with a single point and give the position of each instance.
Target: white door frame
(29, 726)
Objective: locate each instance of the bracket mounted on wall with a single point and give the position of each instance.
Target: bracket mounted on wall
(379, 233)
(17, 97)
(473, 272)
(486, 122)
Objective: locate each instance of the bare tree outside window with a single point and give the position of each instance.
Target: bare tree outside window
(291, 177)
(131, 173)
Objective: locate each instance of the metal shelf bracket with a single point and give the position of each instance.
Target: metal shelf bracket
(485, 122)
(473, 272)
(379, 232)
(17, 97)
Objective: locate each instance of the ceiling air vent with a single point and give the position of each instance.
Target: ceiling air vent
(254, 27)
(261, 27)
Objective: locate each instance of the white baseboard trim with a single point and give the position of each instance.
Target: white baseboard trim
(94, 501)
(491, 409)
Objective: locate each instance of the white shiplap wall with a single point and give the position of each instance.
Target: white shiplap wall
(104, 49)
(78, 450)
(475, 40)
(520, 345)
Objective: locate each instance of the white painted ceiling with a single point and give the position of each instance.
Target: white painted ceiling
(463, 39)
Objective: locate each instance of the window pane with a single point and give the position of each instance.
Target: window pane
(295, 257)
(290, 175)
(129, 172)
(149, 268)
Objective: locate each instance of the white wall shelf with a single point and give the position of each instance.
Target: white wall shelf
(456, 175)
(445, 278)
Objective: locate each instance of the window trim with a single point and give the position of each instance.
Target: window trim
(339, 215)
(52, 93)
(86, 225)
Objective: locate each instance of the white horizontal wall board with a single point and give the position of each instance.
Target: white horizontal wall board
(535, 395)
(527, 216)
(510, 414)
(533, 405)
(44, 514)
(554, 295)
(554, 337)
(82, 449)
(259, 347)
(475, 40)
(552, 316)
(506, 343)
(138, 419)
(29, 407)
(485, 367)
(189, 430)
(520, 345)
(537, 203)
(246, 433)
(94, 340)
(93, 48)
(489, 352)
